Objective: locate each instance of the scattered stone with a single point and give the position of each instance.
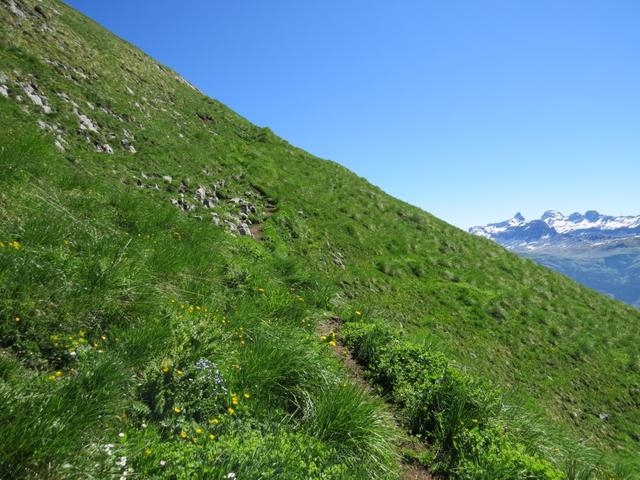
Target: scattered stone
(248, 208)
(209, 202)
(105, 148)
(183, 204)
(58, 144)
(244, 230)
(201, 193)
(236, 200)
(132, 149)
(38, 99)
(604, 416)
(4, 91)
(13, 8)
(129, 91)
(167, 178)
(86, 123)
(215, 218)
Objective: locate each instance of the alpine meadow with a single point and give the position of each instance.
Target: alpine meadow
(184, 294)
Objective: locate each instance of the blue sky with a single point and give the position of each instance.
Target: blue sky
(471, 110)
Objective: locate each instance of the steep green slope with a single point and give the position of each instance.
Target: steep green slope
(611, 269)
(126, 201)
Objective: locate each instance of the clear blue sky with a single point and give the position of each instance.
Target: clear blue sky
(471, 109)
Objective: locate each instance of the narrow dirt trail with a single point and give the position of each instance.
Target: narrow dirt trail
(355, 370)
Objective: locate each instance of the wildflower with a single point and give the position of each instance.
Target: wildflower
(212, 436)
(165, 369)
(162, 463)
(17, 319)
(234, 400)
(358, 312)
(323, 338)
(261, 290)
(231, 476)
(214, 421)
(179, 372)
(121, 462)
(332, 343)
(147, 452)
(246, 395)
(51, 378)
(58, 373)
(199, 431)
(177, 409)
(231, 411)
(183, 434)
(121, 435)
(103, 337)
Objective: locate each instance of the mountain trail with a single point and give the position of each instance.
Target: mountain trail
(410, 471)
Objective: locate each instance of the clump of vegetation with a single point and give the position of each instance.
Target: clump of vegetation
(464, 421)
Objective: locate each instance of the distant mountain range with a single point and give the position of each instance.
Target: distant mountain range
(599, 251)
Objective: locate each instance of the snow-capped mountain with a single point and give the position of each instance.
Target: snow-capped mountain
(554, 228)
(599, 251)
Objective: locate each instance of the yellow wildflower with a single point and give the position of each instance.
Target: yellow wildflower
(165, 369)
(214, 421)
(332, 343)
(58, 373)
(199, 431)
(212, 436)
(147, 452)
(17, 319)
(234, 399)
(177, 409)
(179, 372)
(231, 411)
(246, 395)
(323, 338)
(183, 434)
(358, 312)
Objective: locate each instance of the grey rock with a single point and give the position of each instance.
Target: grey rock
(248, 208)
(236, 200)
(209, 202)
(167, 178)
(105, 148)
(4, 91)
(244, 230)
(603, 416)
(86, 123)
(201, 193)
(13, 8)
(38, 99)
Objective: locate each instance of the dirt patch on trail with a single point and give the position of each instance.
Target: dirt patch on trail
(256, 228)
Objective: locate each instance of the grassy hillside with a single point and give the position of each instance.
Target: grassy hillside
(166, 267)
(612, 269)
